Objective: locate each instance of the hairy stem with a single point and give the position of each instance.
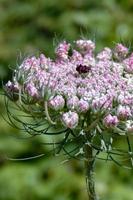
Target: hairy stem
(89, 167)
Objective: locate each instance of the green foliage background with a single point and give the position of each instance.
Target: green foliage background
(31, 26)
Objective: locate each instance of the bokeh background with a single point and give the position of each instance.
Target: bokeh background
(31, 26)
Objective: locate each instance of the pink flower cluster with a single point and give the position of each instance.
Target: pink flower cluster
(80, 82)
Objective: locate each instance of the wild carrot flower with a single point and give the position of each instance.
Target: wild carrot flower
(80, 82)
(84, 95)
(78, 91)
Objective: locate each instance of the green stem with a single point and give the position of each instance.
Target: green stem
(89, 167)
(47, 113)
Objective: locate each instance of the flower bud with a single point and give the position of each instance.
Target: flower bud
(128, 64)
(43, 62)
(12, 90)
(31, 89)
(110, 121)
(120, 51)
(57, 103)
(70, 119)
(86, 46)
(83, 106)
(129, 126)
(62, 50)
(123, 112)
(76, 57)
(72, 102)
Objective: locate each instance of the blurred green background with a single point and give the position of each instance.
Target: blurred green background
(31, 26)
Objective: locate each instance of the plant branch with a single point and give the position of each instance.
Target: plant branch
(89, 169)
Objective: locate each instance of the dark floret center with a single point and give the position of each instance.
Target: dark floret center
(82, 69)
